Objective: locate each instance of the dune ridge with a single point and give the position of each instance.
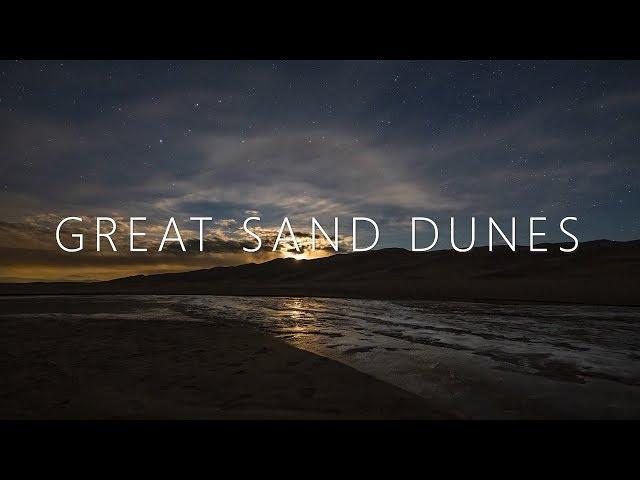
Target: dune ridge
(599, 272)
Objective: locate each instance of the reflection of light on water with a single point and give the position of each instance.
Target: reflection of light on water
(299, 322)
(295, 308)
(463, 355)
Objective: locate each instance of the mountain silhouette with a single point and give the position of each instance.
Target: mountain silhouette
(599, 272)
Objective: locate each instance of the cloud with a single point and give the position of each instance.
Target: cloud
(387, 140)
(28, 250)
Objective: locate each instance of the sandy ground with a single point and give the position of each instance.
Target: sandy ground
(127, 369)
(600, 272)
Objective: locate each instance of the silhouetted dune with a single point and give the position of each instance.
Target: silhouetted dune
(599, 272)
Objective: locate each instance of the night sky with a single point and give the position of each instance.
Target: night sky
(387, 140)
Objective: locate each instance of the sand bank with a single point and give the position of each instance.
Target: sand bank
(127, 369)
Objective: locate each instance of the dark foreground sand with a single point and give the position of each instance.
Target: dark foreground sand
(128, 369)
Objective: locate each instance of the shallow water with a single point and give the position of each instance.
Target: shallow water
(478, 360)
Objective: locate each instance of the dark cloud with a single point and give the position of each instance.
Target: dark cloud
(387, 140)
(216, 245)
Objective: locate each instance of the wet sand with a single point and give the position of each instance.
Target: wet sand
(116, 368)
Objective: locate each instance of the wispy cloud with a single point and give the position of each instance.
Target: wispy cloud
(382, 139)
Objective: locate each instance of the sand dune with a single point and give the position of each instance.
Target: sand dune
(599, 272)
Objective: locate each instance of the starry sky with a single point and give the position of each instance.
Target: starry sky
(383, 139)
